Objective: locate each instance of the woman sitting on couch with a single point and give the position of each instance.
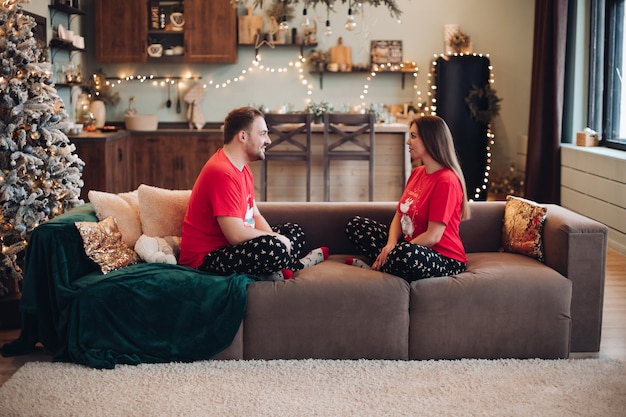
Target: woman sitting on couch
(423, 238)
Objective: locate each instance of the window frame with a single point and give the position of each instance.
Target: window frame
(605, 51)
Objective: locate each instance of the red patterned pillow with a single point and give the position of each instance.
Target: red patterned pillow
(523, 227)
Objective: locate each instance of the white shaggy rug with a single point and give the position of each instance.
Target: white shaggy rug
(578, 387)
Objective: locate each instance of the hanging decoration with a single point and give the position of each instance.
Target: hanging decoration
(392, 5)
(483, 103)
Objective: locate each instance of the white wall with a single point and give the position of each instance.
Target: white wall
(501, 28)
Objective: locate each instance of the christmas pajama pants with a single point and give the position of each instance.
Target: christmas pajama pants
(259, 256)
(406, 260)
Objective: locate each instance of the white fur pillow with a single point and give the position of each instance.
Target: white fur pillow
(162, 211)
(124, 208)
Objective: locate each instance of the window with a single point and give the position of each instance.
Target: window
(607, 106)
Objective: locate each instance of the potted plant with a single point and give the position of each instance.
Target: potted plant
(318, 59)
(318, 109)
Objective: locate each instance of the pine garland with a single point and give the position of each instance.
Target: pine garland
(40, 177)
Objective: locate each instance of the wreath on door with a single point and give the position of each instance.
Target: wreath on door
(483, 103)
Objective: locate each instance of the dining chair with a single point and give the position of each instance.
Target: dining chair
(348, 137)
(291, 141)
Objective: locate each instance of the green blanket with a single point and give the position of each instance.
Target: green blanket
(140, 313)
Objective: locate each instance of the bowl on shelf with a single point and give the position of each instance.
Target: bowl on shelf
(141, 122)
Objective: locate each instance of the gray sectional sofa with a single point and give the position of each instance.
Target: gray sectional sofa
(506, 305)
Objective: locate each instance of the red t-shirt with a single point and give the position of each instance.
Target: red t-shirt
(221, 189)
(436, 197)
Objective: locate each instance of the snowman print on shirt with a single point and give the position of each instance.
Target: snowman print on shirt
(405, 220)
(249, 216)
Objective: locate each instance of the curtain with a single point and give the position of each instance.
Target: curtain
(543, 162)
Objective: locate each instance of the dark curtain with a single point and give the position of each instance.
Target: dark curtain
(543, 161)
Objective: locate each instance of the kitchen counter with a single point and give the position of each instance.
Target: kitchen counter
(212, 128)
(173, 155)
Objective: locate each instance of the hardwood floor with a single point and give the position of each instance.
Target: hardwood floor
(613, 345)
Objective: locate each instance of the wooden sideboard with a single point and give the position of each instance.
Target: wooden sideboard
(172, 158)
(121, 161)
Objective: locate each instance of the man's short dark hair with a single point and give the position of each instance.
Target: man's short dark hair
(239, 119)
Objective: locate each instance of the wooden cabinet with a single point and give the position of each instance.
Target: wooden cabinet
(122, 32)
(210, 31)
(120, 162)
(169, 160)
(107, 162)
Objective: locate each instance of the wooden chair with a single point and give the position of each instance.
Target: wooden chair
(285, 146)
(355, 129)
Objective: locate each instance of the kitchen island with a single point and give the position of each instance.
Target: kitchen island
(172, 156)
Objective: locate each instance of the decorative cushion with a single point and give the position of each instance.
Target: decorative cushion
(103, 244)
(523, 226)
(162, 211)
(124, 208)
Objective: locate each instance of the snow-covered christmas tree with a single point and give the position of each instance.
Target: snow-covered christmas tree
(40, 177)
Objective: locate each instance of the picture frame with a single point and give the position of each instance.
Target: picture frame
(386, 52)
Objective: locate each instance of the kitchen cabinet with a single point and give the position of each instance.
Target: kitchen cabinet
(120, 162)
(107, 161)
(123, 31)
(120, 30)
(171, 160)
(210, 31)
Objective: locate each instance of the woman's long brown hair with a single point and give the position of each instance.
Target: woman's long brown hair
(439, 144)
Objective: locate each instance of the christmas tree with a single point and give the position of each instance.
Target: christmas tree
(40, 176)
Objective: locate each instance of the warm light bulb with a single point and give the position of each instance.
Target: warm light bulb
(328, 31)
(283, 24)
(306, 22)
(350, 23)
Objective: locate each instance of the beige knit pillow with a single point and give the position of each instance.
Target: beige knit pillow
(162, 211)
(124, 208)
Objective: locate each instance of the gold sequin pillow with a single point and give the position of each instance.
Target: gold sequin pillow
(103, 244)
(523, 227)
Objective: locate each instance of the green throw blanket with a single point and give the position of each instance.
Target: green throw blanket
(139, 313)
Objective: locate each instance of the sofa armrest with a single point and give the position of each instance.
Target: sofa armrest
(576, 247)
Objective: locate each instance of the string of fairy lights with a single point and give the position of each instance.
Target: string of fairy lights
(297, 67)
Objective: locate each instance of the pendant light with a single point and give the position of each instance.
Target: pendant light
(284, 25)
(328, 31)
(306, 22)
(350, 23)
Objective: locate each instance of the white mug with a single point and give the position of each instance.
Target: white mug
(155, 50)
(178, 20)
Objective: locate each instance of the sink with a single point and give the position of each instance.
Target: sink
(141, 122)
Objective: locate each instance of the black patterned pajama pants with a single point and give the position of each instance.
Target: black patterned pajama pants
(406, 260)
(259, 256)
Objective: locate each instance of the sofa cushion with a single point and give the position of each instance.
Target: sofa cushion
(328, 311)
(123, 207)
(523, 227)
(504, 306)
(162, 211)
(103, 244)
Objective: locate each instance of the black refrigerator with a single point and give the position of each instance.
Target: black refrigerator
(455, 77)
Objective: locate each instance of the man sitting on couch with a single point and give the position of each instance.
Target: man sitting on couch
(223, 231)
